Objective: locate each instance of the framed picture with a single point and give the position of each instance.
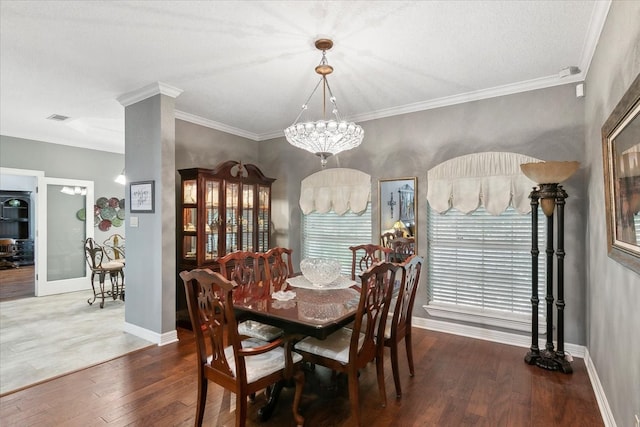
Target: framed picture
(621, 155)
(142, 197)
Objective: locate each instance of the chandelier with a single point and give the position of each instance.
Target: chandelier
(324, 137)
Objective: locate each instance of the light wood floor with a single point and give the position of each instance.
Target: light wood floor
(459, 382)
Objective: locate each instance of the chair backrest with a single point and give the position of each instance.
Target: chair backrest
(386, 238)
(402, 248)
(279, 267)
(364, 256)
(210, 304)
(94, 253)
(114, 247)
(407, 294)
(373, 308)
(247, 270)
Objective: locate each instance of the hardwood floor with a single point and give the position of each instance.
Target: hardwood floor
(17, 282)
(458, 382)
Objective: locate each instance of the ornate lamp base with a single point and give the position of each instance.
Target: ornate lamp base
(549, 360)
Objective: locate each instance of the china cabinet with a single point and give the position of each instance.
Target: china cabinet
(15, 223)
(221, 210)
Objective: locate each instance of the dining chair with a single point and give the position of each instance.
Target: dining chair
(100, 266)
(402, 248)
(399, 326)
(8, 251)
(279, 267)
(387, 238)
(114, 248)
(364, 256)
(351, 349)
(243, 367)
(248, 270)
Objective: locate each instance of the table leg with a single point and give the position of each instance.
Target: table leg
(265, 412)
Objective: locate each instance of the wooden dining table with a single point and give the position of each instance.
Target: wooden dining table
(314, 311)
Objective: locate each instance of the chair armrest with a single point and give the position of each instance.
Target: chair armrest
(253, 351)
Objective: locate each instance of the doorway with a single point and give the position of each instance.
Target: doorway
(57, 230)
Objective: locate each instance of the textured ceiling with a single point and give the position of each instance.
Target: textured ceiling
(246, 67)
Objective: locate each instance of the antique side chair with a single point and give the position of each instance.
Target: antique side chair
(243, 367)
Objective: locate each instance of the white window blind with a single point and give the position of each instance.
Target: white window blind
(482, 263)
(328, 235)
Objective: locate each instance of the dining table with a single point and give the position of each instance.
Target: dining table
(301, 309)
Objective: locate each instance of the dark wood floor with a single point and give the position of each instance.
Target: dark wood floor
(17, 282)
(459, 382)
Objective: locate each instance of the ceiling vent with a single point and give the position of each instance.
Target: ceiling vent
(58, 118)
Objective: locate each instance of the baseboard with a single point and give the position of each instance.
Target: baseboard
(154, 337)
(601, 398)
(523, 341)
(489, 334)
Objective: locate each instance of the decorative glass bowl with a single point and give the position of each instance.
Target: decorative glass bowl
(320, 271)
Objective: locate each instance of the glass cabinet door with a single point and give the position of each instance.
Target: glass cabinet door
(263, 218)
(212, 215)
(231, 225)
(247, 217)
(189, 219)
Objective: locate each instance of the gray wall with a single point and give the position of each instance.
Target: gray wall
(547, 124)
(61, 161)
(613, 291)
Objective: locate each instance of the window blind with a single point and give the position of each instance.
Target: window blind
(482, 262)
(328, 235)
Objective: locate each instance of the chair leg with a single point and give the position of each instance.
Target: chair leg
(394, 367)
(409, 347)
(90, 301)
(241, 409)
(380, 372)
(101, 280)
(202, 400)
(298, 376)
(354, 396)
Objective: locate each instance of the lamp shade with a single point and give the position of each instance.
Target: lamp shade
(549, 172)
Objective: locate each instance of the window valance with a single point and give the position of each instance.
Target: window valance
(492, 179)
(337, 189)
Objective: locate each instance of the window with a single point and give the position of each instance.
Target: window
(328, 235)
(479, 266)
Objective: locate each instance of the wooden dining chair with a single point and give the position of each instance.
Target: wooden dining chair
(279, 267)
(402, 248)
(101, 267)
(351, 349)
(387, 238)
(364, 256)
(243, 367)
(399, 326)
(248, 270)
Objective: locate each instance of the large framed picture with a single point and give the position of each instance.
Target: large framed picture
(141, 197)
(621, 155)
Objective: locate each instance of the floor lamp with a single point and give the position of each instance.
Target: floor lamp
(551, 196)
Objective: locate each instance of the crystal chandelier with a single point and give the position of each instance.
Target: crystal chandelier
(324, 137)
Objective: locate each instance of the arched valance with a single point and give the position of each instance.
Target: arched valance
(492, 179)
(337, 189)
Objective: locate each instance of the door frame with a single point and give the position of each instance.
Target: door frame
(43, 286)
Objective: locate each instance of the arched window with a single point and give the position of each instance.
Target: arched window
(479, 240)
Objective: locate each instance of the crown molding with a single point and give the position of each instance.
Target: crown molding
(596, 24)
(157, 88)
(192, 118)
(510, 89)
